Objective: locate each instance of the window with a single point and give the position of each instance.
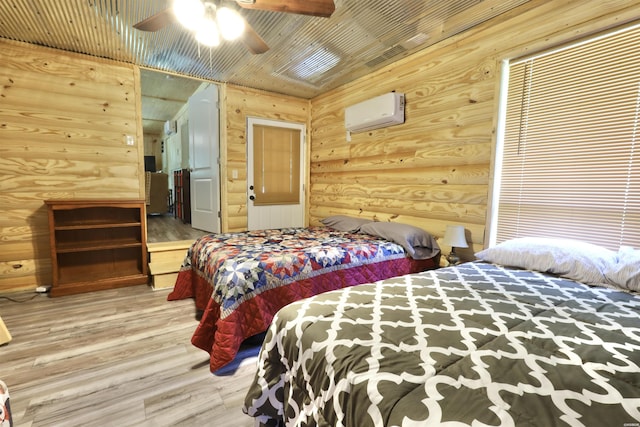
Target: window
(570, 152)
(276, 165)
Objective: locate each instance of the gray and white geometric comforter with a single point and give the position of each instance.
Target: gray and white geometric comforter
(475, 344)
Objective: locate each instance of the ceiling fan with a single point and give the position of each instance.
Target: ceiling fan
(209, 19)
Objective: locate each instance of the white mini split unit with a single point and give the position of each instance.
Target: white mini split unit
(381, 111)
(170, 127)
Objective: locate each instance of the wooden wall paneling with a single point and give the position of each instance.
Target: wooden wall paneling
(138, 148)
(240, 103)
(436, 168)
(63, 123)
(64, 117)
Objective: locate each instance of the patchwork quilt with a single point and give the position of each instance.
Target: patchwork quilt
(6, 419)
(239, 280)
(476, 344)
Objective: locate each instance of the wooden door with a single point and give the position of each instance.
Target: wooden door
(204, 137)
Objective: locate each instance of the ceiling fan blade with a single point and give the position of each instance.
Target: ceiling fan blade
(320, 8)
(157, 21)
(250, 38)
(253, 41)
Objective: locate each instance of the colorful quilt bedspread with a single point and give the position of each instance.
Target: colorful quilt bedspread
(472, 345)
(240, 280)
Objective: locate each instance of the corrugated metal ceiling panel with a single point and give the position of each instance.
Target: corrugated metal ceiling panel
(308, 55)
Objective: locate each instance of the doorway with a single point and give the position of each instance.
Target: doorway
(164, 98)
(275, 174)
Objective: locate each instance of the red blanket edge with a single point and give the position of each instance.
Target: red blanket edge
(221, 338)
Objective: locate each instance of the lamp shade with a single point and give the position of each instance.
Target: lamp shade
(230, 23)
(189, 13)
(454, 237)
(207, 33)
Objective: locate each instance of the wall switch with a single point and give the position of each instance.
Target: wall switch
(130, 140)
(234, 173)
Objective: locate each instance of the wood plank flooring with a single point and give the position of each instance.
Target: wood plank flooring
(166, 228)
(118, 357)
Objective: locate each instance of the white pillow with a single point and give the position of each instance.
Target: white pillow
(580, 261)
(625, 273)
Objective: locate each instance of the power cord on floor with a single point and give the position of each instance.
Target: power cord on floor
(17, 300)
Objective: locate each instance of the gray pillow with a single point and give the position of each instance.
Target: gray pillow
(625, 273)
(344, 223)
(580, 261)
(418, 243)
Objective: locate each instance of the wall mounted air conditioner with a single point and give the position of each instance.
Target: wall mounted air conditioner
(381, 111)
(170, 127)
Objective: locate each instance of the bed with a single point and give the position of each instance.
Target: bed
(478, 344)
(240, 280)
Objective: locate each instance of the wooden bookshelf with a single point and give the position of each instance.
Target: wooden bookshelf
(97, 244)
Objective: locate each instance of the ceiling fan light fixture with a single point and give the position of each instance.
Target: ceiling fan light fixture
(207, 33)
(230, 22)
(189, 13)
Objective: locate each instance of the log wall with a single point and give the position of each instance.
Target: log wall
(239, 103)
(64, 118)
(435, 169)
(63, 122)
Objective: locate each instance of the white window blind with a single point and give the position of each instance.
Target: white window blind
(571, 156)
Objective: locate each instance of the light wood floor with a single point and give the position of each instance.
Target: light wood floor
(166, 228)
(118, 357)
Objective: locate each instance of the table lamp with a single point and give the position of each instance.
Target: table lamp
(454, 237)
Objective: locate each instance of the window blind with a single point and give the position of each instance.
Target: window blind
(571, 156)
(276, 165)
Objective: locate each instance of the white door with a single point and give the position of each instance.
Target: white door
(204, 136)
(275, 175)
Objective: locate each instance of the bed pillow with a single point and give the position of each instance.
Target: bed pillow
(625, 273)
(580, 261)
(344, 223)
(418, 243)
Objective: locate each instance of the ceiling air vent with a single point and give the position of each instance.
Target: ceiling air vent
(386, 55)
(310, 67)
